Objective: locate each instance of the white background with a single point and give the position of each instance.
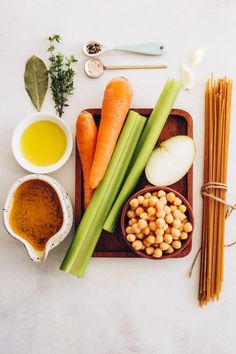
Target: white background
(121, 305)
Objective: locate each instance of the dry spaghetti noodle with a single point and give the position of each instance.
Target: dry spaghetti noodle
(217, 123)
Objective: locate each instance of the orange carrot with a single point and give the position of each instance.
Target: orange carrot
(115, 106)
(86, 136)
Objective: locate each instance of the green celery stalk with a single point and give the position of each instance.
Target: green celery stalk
(144, 149)
(91, 225)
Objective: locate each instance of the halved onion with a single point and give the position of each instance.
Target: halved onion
(170, 161)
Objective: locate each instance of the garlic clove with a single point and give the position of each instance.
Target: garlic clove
(197, 57)
(187, 77)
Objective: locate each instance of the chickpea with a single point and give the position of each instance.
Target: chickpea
(169, 218)
(134, 203)
(159, 239)
(131, 237)
(170, 197)
(176, 223)
(181, 228)
(129, 230)
(142, 224)
(168, 238)
(170, 250)
(159, 205)
(149, 250)
(151, 211)
(139, 211)
(146, 231)
(146, 243)
(175, 233)
(183, 217)
(137, 245)
(160, 223)
(135, 229)
(143, 247)
(182, 208)
(153, 218)
(155, 194)
(163, 200)
(147, 195)
(152, 201)
(177, 201)
(140, 199)
(130, 214)
(173, 208)
(140, 235)
(161, 193)
(164, 246)
(168, 230)
(165, 227)
(185, 220)
(167, 209)
(153, 225)
(183, 236)
(151, 239)
(188, 227)
(132, 221)
(177, 214)
(144, 216)
(176, 245)
(161, 214)
(157, 253)
(146, 203)
(159, 232)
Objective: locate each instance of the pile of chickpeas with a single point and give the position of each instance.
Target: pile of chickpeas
(157, 223)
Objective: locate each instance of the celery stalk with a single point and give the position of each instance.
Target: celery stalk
(91, 225)
(146, 144)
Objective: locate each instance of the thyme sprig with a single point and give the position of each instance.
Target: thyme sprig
(62, 75)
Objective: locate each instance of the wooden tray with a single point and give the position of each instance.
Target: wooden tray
(113, 245)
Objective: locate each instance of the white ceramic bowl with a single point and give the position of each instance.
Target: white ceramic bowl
(16, 140)
(35, 255)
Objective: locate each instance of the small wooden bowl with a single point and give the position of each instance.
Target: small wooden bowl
(189, 213)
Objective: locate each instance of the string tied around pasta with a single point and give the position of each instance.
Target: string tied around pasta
(206, 192)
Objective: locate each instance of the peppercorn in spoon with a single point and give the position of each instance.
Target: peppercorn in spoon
(94, 48)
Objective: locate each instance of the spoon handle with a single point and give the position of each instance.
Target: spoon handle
(118, 67)
(152, 48)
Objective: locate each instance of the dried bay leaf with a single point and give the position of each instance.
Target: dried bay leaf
(36, 80)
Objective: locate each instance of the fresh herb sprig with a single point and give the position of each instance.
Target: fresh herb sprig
(62, 75)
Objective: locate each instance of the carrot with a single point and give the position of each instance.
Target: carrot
(115, 106)
(86, 137)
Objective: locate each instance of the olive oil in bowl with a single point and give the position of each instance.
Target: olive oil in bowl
(43, 143)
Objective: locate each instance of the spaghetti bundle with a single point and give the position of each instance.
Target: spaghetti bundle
(217, 123)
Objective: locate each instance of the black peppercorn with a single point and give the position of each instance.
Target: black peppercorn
(93, 48)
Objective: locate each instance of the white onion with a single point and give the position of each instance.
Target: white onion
(170, 161)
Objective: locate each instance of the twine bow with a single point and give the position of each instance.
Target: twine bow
(205, 191)
(217, 185)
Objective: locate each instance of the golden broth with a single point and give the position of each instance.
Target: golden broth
(36, 213)
(43, 143)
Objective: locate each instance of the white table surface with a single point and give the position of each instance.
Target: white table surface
(121, 305)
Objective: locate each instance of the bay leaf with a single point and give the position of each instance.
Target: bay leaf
(36, 80)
